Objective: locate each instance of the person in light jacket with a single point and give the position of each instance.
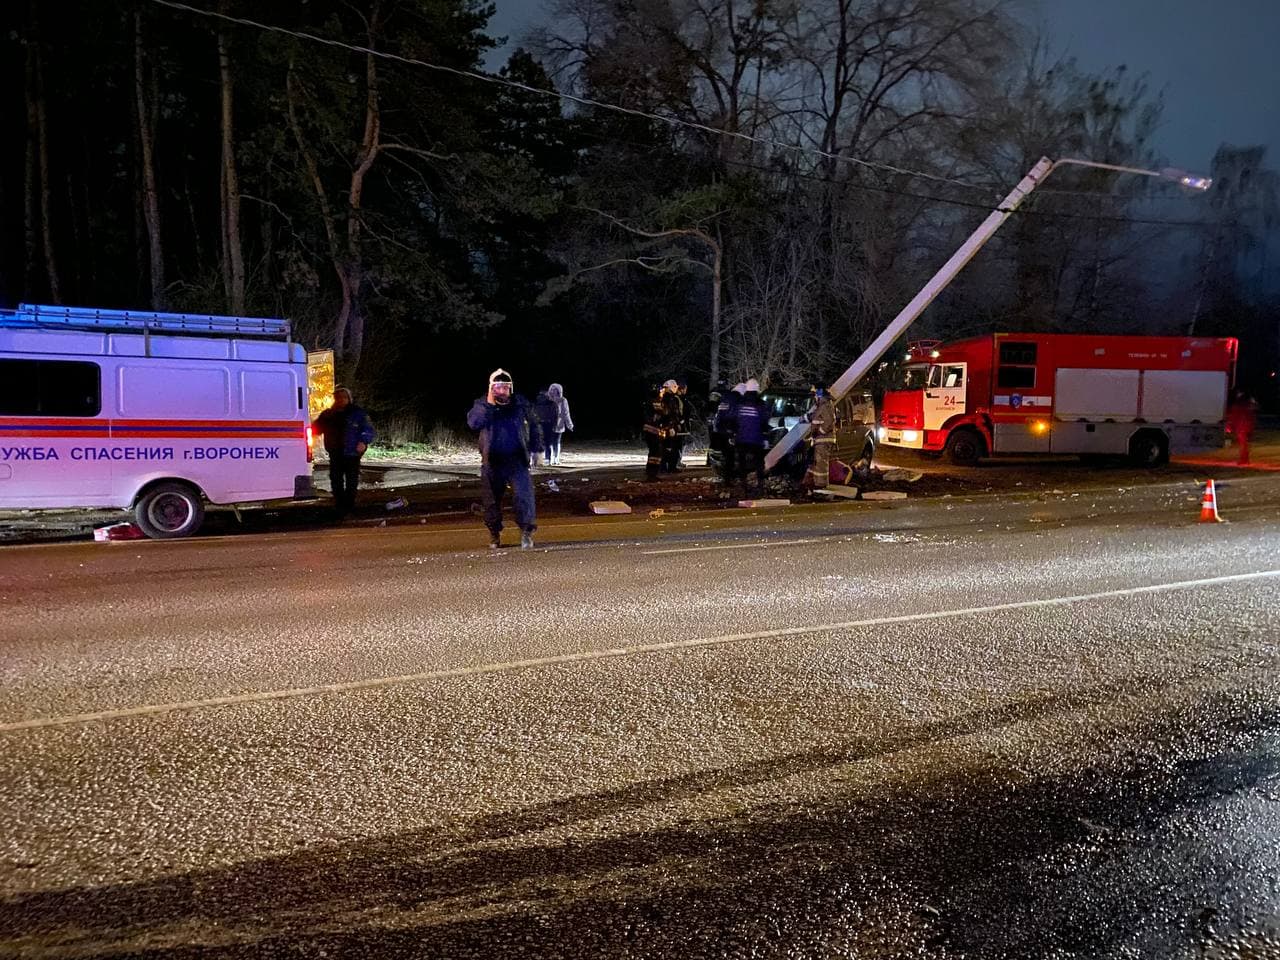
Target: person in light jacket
(563, 421)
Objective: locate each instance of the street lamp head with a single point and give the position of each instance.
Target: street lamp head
(1188, 180)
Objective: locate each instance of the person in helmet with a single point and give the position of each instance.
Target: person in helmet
(751, 429)
(655, 430)
(822, 434)
(673, 415)
(688, 415)
(507, 430)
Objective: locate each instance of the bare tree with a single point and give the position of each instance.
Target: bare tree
(345, 232)
(144, 99)
(661, 251)
(328, 218)
(37, 186)
(233, 257)
(30, 182)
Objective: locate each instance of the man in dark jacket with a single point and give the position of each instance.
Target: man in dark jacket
(347, 434)
(545, 409)
(751, 427)
(508, 430)
(722, 425)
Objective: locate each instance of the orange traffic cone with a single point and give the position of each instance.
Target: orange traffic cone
(1209, 505)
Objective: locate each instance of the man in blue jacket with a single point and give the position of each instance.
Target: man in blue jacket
(347, 434)
(750, 430)
(508, 430)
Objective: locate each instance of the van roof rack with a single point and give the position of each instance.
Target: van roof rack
(145, 321)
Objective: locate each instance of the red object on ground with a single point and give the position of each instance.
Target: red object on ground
(118, 531)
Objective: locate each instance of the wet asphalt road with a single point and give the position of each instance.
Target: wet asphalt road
(1040, 726)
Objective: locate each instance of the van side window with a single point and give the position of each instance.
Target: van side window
(50, 388)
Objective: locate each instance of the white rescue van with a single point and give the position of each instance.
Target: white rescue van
(152, 412)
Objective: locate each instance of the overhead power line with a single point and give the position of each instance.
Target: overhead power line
(679, 122)
(570, 97)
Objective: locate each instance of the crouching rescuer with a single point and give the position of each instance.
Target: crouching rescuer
(507, 431)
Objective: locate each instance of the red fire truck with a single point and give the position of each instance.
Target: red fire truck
(1144, 397)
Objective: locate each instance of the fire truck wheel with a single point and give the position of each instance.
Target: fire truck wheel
(169, 510)
(965, 447)
(1149, 448)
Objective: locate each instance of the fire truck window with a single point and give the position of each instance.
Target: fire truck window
(1019, 354)
(910, 377)
(935, 377)
(50, 388)
(953, 377)
(1016, 378)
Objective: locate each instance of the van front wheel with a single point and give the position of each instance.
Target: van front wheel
(169, 510)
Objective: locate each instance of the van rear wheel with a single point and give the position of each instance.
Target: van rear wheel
(169, 510)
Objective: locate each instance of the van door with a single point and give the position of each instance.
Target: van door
(944, 393)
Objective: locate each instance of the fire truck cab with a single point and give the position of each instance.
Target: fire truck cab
(1141, 397)
(153, 412)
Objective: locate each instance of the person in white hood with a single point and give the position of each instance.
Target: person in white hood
(562, 422)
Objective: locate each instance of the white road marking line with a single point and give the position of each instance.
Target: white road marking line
(586, 656)
(759, 545)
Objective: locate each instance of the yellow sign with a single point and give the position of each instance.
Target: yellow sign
(319, 381)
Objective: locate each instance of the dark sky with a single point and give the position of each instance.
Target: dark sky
(1218, 61)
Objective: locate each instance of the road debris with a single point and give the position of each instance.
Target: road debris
(837, 490)
(609, 507)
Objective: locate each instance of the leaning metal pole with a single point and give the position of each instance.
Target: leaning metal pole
(937, 283)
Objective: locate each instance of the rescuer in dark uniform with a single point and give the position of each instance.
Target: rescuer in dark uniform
(673, 415)
(822, 421)
(688, 413)
(655, 431)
